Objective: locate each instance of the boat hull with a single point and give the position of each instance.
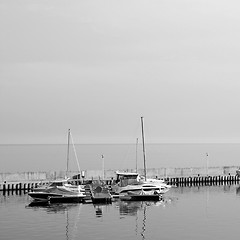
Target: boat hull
(142, 187)
(42, 196)
(137, 197)
(56, 198)
(67, 199)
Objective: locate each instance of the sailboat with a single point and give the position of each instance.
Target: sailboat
(59, 190)
(132, 187)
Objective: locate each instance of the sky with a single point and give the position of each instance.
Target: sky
(97, 67)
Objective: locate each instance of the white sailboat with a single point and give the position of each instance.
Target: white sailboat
(134, 185)
(59, 190)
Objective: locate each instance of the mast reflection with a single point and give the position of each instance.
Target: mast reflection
(138, 210)
(59, 208)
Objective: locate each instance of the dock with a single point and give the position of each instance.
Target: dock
(103, 196)
(97, 194)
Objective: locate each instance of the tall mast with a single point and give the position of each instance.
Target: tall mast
(144, 158)
(68, 151)
(103, 175)
(137, 155)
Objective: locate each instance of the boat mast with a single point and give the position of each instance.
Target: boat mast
(68, 151)
(137, 155)
(144, 158)
(103, 175)
(74, 149)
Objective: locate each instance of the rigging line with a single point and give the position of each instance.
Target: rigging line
(68, 137)
(144, 154)
(137, 155)
(75, 152)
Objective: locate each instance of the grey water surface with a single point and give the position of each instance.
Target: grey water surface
(196, 212)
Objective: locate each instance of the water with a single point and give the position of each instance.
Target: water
(24, 158)
(204, 212)
(199, 212)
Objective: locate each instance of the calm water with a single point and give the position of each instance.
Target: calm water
(204, 212)
(24, 158)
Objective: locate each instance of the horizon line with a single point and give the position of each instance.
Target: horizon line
(115, 143)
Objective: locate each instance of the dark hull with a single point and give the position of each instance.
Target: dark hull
(41, 196)
(138, 197)
(55, 198)
(66, 199)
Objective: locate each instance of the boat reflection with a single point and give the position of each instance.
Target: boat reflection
(60, 208)
(98, 210)
(51, 208)
(138, 210)
(131, 208)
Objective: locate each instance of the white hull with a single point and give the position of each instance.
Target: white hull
(142, 187)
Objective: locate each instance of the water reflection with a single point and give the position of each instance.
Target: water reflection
(144, 223)
(138, 209)
(131, 208)
(61, 208)
(98, 210)
(14, 192)
(50, 208)
(238, 190)
(197, 207)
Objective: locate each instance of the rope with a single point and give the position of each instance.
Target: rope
(75, 152)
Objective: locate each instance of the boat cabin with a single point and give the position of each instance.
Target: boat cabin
(57, 183)
(126, 175)
(125, 178)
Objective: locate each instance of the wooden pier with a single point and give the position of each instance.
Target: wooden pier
(97, 194)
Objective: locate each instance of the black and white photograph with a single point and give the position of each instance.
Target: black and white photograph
(119, 119)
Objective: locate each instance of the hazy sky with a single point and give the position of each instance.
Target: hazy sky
(98, 66)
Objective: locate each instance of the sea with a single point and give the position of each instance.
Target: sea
(53, 157)
(186, 212)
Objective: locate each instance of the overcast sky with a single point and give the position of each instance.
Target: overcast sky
(98, 66)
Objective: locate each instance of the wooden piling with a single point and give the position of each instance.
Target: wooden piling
(202, 180)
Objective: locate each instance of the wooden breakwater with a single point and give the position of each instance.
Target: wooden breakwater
(17, 186)
(203, 180)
